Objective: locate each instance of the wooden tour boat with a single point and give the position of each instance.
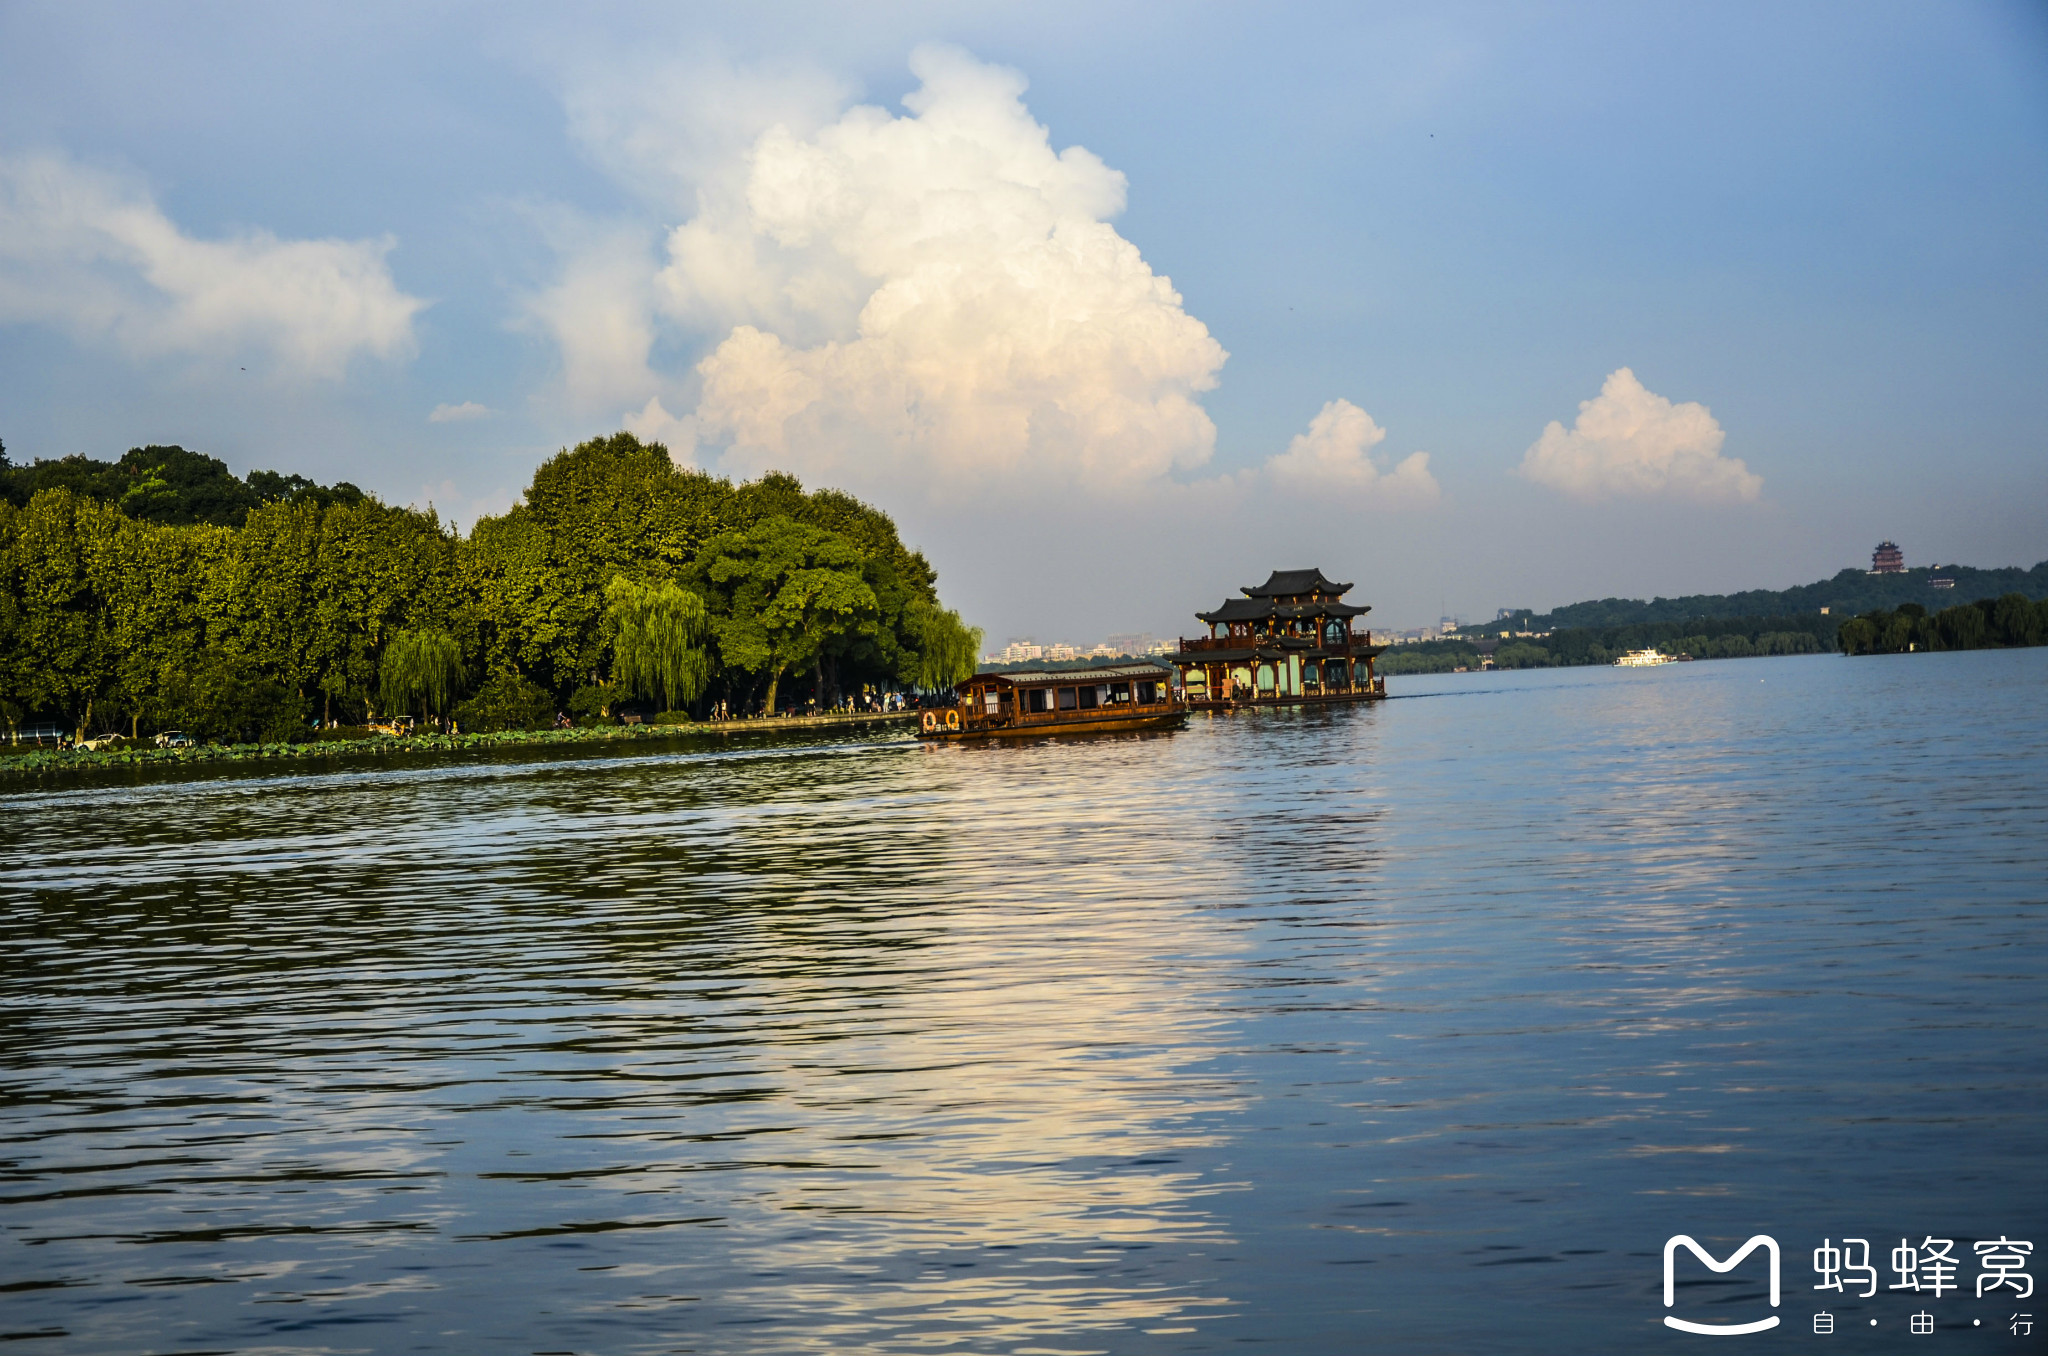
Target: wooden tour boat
(1287, 642)
(1101, 700)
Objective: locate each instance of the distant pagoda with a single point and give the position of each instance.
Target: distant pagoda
(1887, 559)
(1286, 642)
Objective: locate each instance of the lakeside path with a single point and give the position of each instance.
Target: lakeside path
(384, 746)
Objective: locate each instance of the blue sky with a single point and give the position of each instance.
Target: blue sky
(1128, 305)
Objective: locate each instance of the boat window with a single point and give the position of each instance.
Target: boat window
(1334, 632)
(1066, 699)
(1091, 697)
(1149, 692)
(1119, 692)
(1035, 699)
(1219, 630)
(1311, 675)
(993, 701)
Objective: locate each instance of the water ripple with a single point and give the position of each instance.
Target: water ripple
(1298, 1027)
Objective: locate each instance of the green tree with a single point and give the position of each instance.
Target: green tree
(424, 668)
(658, 634)
(13, 644)
(784, 590)
(65, 654)
(506, 702)
(162, 588)
(151, 581)
(2015, 621)
(607, 507)
(947, 648)
(379, 570)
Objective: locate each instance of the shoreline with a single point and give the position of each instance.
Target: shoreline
(65, 760)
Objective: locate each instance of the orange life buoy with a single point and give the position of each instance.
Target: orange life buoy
(952, 720)
(930, 721)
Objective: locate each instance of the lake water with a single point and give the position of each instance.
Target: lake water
(1411, 1028)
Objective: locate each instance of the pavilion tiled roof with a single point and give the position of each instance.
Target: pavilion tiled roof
(1293, 583)
(1262, 609)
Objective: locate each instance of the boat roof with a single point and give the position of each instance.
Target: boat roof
(1108, 673)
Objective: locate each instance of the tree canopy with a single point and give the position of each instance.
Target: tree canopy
(1988, 623)
(617, 572)
(658, 634)
(786, 591)
(421, 668)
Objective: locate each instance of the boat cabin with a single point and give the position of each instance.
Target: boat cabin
(1114, 696)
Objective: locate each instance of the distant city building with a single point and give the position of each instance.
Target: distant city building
(1887, 559)
(1025, 650)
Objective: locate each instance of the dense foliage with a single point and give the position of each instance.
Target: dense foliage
(1989, 623)
(324, 603)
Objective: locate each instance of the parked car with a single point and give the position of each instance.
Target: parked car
(105, 741)
(174, 739)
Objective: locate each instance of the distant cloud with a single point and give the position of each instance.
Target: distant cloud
(1632, 442)
(980, 320)
(90, 253)
(1333, 456)
(456, 414)
(932, 303)
(652, 423)
(599, 311)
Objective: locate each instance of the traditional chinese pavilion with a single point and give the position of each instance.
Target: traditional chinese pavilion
(1290, 640)
(1887, 559)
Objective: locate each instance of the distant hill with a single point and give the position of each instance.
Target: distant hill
(165, 485)
(1847, 594)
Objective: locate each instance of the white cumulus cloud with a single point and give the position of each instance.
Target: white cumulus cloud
(1334, 456)
(457, 414)
(1630, 441)
(92, 254)
(938, 296)
(599, 311)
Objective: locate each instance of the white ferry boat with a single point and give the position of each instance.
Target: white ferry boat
(1641, 659)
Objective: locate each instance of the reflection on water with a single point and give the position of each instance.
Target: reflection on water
(1418, 1025)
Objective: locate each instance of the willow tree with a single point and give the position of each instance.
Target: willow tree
(423, 667)
(947, 647)
(658, 634)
